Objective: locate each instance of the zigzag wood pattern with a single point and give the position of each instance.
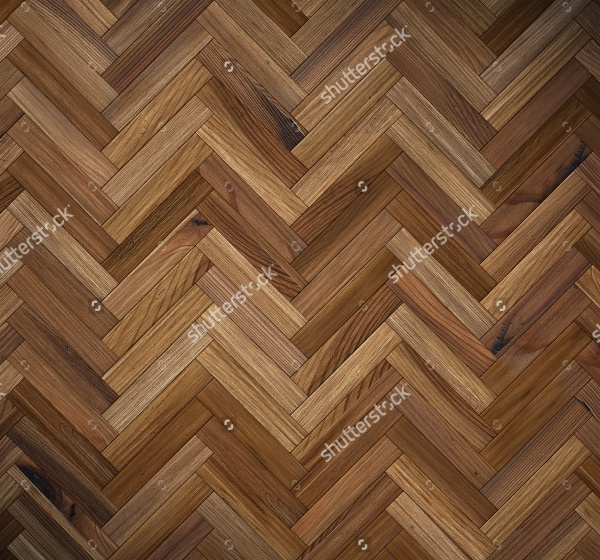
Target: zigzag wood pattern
(299, 280)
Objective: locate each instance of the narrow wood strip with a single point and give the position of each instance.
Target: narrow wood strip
(589, 56)
(255, 325)
(345, 191)
(527, 121)
(242, 158)
(339, 43)
(218, 513)
(252, 396)
(64, 247)
(158, 37)
(531, 306)
(259, 368)
(442, 96)
(441, 56)
(544, 520)
(150, 158)
(346, 226)
(417, 108)
(539, 487)
(252, 472)
(165, 520)
(156, 114)
(431, 348)
(139, 433)
(425, 531)
(530, 43)
(148, 386)
(158, 489)
(251, 207)
(439, 393)
(451, 252)
(344, 266)
(156, 303)
(363, 288)
(9, 151)
(69, 397)
(143, 240)
(152, 80)
(444, 513)
(241, 84)
(535, 189)
(178, 169)
(251, 433)
(62, 170)
(537, 263)
(351, 108)
(441, 283)
(74, 67)
(48, 193)
(346, 377)
(441, 472)
(554, 397)
(94, 13)
(568, 307)
(156, 341)
(253, 247)
(438, 167)
(75, 448)
(262, 520)
(74, 331)
(333, 503)
(447, 22)
(158, 450)
(439, 205)
(319, 102)
(131, 23)
(262, 29)
(67, 475)
(75, 33)
(536, 227)
(278, 309)
(244, 49)
(252, 132)
(511, 23)
(535, 76)
(337, 160)
(444, 324)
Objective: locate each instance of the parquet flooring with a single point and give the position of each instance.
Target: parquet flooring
(315, 279)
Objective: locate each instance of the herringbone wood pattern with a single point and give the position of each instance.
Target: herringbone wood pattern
(197, 143)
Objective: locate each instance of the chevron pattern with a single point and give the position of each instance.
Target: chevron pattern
(311, 279)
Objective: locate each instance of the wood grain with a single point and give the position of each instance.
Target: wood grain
(265, 330)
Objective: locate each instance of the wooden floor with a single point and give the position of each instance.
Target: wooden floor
(194, 147)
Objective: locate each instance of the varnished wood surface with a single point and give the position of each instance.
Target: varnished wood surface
(197, 145)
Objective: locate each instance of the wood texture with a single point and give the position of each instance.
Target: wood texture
(262, 328)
